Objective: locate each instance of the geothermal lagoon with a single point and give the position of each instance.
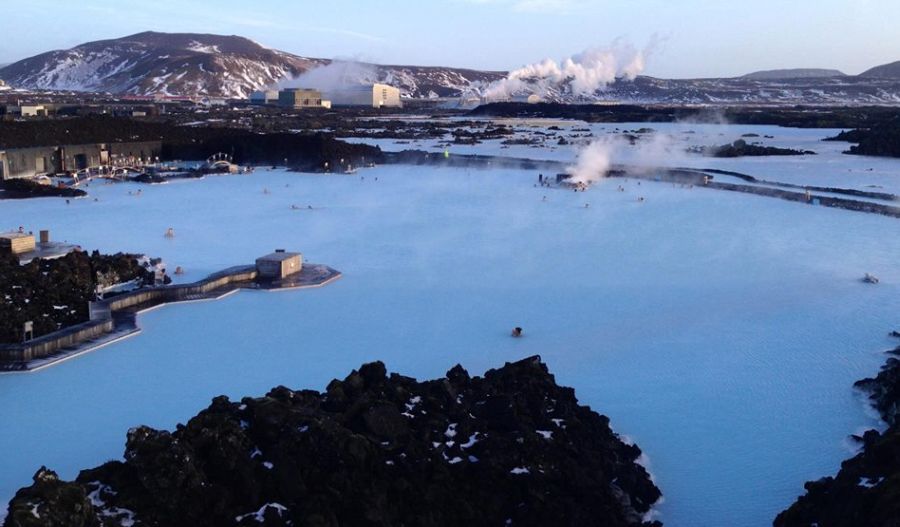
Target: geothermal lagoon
(722, 332)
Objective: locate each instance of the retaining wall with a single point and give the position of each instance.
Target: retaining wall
(102, 310)
(53, 342)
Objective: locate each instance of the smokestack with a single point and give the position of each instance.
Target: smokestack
(45, 236)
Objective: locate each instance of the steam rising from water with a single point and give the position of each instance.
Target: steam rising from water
(593, 162)
(583, 73)
(649, 152)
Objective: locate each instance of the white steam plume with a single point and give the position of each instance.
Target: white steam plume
(333, 76)
(584, 73)
(648, 153)
(593, 162)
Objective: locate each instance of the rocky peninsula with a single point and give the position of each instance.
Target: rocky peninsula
(741, 148)
(882, 139)
(25, 188)
(509, 448)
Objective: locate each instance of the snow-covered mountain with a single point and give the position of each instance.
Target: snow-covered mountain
(159, 63)
(433, 81)
(197, 64)
(230, 66)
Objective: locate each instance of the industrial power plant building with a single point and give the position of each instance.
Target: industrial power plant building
(302, 98)
(371, 95)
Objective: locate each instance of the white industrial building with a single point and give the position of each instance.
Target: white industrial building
(372, 95)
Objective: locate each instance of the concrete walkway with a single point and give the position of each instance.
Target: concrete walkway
(125, 320)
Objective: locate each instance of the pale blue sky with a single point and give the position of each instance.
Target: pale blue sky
(699, 37)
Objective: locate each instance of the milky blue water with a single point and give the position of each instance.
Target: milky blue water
(666, 147)
(721, 332)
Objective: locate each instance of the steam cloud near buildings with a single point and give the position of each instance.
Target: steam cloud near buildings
(583, 73)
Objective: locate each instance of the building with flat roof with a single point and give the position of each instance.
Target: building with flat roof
(33, 110)
(279, 264)
(371, 95)
(22, 245)
(16, 242)
(301, 98)
(48, 160)
(264, 97)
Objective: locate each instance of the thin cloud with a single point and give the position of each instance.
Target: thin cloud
(348, 33)
(257, 22)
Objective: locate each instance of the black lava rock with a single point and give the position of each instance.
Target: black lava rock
(741, 148)
(20, 188)
(509, 448)
(866, 491)
(54, 293)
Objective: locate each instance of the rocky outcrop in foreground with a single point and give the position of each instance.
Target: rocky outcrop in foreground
(509, 448)
(866, 491)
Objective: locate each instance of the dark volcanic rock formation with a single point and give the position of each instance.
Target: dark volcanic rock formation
(795, 116)
(509, 448)
(866, 491)
(741, 148)
(54, 293)
(882, 139)
(21, 188)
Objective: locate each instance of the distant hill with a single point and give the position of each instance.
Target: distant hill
(197, 65)
(795, 73)
(885, 71)
(194, 64)
(164, 63)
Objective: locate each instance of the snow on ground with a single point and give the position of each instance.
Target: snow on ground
(722, 331)
(201, 48)
(260, 515)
